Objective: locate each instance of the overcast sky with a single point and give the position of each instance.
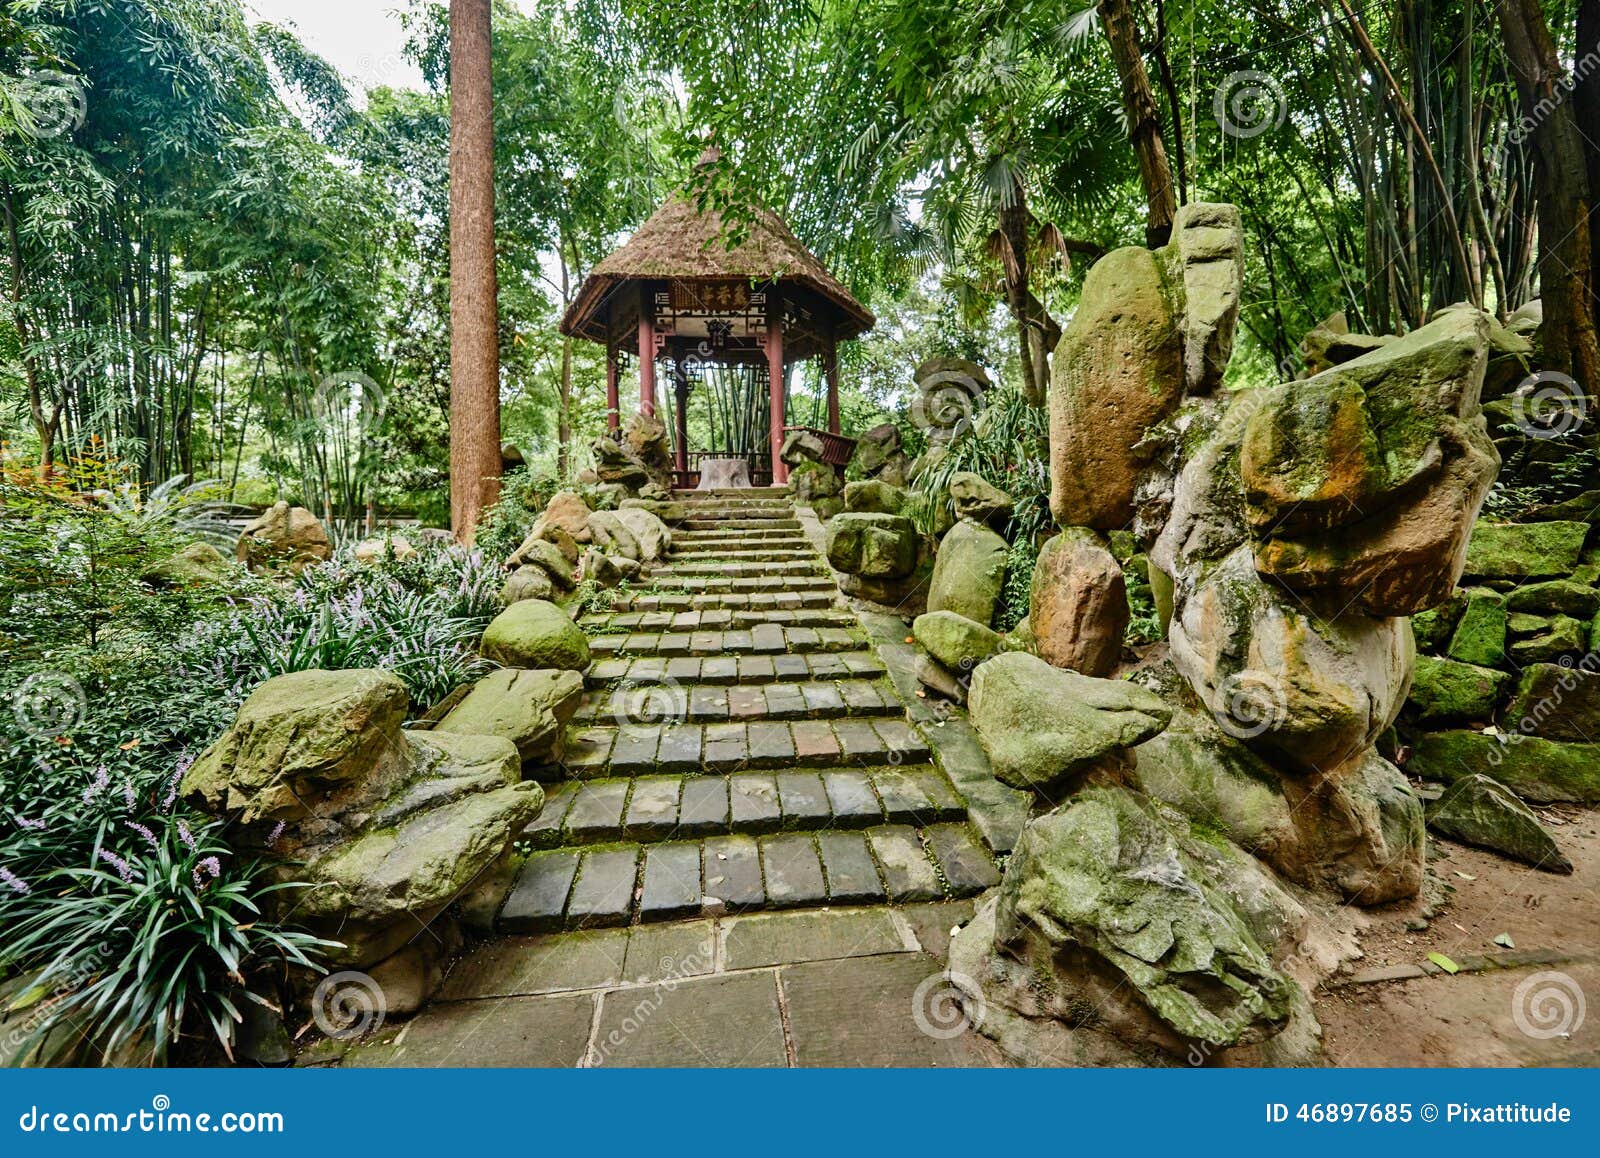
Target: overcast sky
(361, 38)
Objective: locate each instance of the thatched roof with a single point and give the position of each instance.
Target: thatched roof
(680, 243)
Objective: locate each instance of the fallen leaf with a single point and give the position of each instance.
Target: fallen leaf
(911, 639)
(1459, 925)
(1444, 963)
(1504, 941)
(1465, 876)
(130, 745)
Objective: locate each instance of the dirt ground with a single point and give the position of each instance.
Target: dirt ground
(1529, 1014)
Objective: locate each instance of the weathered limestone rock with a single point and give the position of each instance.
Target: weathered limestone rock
(529, 708)
(724, 474)
(1366, 479)
(1313, 692)
(197, 565)
(969, 572)
(374, 549)
(1479, 811)
(566, 511)
(535, 634)
(801, 446)
(646, 439)
(607, 570)
(1209, 238)
(387, 827)
(876, 546)
(1110, 898)
(937, 678)
(1555, 597)
(548, 556)
(613, 536)
(1118, 371)
(975, 499)
(874, 497)
(879, 455)
(1050, 729)
(1361, 830)
(811, 481)
(957, 642)
(527, 582)
(1544, 771)
(649, 532)
(1445, 691)
(283, 539)
(1078, 604)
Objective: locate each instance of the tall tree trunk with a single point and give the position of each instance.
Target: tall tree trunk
(1144, 128)
(1565, 245)
(1586, 102)
(474, 337)
(564, 403)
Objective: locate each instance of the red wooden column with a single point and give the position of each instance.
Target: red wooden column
(780, 471)
(680, 449)
(830, 370)
(613, 406)
(647, 360)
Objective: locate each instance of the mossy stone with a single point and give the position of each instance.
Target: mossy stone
(1556, 597)
(1525, 550)
(1432, 628)
(1480, 634)
(535, 633)
(1479, 811)
(1556, 702)
(1563, 636)
(1536, 769)
(1448, 691)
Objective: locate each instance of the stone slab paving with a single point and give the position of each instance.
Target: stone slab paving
(756, 754)
(824, 987)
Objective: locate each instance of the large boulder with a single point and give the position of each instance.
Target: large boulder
(969, 572)
(1446, 691)
(1544, 771)
(812, 482)
(957, 642)
(1525, 550)
(529, 708)
(1556, 702)
(873, 497)
(547, 555)
(527, 582)
(283, 539)
(1049, 729)
(876, 449)
(198, 564)
(1118, 909)
(614, 537)
(876, 546)
(387, 827)
(1209, 239)
(647, 442)
(1312, 692)
(801, 446)
(535, 633)
(1078, 603)
(1118, 371)
(1479, 811)
(649, 532)
(1366, 479)
(379, 548)
(565, 512)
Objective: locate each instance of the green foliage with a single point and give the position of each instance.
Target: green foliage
(524, 493)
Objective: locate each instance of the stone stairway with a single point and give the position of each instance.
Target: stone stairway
(739, 747)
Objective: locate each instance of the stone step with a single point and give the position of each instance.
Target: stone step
(762, 535)
(727, 670)
(716, 619)
(706, 522)
(763, 639)
(675, 807)
(710, 601)
(596, 751)
(697, 554)
(618, 884)
(713, 568)
(664, 699)
(712, 494)
(769, 584)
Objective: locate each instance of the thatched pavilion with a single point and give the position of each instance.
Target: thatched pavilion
(675, 295)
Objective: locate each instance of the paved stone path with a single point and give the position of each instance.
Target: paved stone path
(858, 987)
(740, 746)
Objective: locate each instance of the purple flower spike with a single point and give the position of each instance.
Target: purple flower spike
(185, 835)
(13, 882)
(124, 869)
(213, 870)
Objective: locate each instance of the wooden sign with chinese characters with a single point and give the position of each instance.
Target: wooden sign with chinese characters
(710, 297)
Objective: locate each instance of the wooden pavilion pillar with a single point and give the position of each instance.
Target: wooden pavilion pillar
(680, 415)
(647, 358)
(775, 383)
(830, 371)
(613, 405)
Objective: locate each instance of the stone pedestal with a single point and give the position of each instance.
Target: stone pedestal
(723, 473)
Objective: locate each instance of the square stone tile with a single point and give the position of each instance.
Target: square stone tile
(603, 894)
(865, 1013)
(731, 871)
(665, 952)
(754, 801)
(671, 882)
(761, 939)
(721, 1022)
(704, 809)
(792, 871)
(518, 966)
(538, 896)
(540, 1032)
